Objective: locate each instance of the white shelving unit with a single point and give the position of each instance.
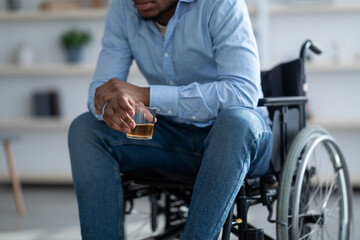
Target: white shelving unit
(34, 124)
(41, 148)
(55, 15)
(333, 67)
(73, 70)
(336, 124)
(53, 70)
(320, 8)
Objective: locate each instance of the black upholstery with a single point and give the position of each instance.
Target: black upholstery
(284, 80)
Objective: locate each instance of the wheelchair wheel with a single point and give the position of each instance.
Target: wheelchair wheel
(138, 224)
(315, 194)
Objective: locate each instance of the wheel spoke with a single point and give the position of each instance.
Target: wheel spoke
(335, 206)
(314, 230)
(323, 205)
(312, 197)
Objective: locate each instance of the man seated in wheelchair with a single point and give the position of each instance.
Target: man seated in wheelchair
(201, 61)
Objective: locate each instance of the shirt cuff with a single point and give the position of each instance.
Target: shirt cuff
(165, 99)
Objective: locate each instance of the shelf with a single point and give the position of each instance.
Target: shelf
(36, 177)
(58, 70)
(308, 9)
(333, 67)
(72, 70)
(45, 15)
(329, 67)
(55, 70)
(34, 124)
(336, 124)
(314, 8)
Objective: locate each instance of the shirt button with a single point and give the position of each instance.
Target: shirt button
(193, 117)
(166, 54)
(169, 111)
(172, 82)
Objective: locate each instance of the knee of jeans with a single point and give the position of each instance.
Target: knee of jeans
(239, 120)
(79, 127)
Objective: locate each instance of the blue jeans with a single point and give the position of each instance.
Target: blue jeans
(239, 143)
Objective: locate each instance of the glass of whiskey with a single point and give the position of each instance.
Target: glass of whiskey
(144, 119)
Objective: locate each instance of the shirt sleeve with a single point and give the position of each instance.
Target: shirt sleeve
(238, 69)
(115, 56)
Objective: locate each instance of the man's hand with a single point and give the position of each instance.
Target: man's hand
(118, 112)
(120, 96)
(116, 86)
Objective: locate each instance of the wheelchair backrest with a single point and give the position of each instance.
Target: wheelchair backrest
(284, 80)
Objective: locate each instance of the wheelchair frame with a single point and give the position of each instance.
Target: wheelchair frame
(293, 145)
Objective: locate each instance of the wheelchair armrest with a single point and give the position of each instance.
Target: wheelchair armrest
(282, 101)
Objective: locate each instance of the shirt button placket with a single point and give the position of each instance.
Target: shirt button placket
(168, 68)
(168, 64)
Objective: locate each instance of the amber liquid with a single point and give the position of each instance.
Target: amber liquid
(142, 131)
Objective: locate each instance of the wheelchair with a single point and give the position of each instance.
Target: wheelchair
(309, 180)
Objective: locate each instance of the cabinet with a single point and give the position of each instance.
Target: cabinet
(41, 151)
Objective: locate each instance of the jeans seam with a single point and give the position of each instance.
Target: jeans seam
(227, 204)
(121, 199)
(256, 139)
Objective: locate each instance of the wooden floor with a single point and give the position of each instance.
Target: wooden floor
(51, 214)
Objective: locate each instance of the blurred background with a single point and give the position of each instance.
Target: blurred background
(48, 52)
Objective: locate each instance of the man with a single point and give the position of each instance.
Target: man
(200, 59)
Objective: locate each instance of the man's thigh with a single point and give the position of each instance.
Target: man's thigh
(239, 136)
(174, 147)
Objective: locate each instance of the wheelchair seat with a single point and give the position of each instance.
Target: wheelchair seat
(296, 180)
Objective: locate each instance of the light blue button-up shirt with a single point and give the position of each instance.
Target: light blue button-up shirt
(207, 61)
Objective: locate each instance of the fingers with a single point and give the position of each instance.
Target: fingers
(119, 110)
(125, 117)
(105, 92)
(146, 113)
(117, 114)
(126, 105)
(148, 116)
(101, 98)
(116, 86)
(116, 122)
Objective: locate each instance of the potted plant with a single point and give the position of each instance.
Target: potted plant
(73, 42)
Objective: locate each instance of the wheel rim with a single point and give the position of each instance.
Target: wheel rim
(320, 192)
